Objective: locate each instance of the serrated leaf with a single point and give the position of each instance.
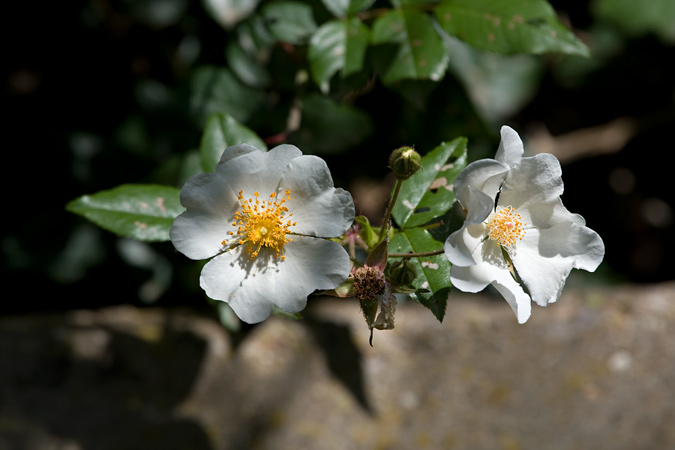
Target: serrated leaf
(289, 21)
(220, 132)
(342, 8)
(338, 45)
(428, 194)
(420, 55)
(369, 310)
(433, 272)
(139, 211)
(508, 26)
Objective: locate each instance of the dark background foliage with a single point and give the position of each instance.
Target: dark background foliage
(97, 94)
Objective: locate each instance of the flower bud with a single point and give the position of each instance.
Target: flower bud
(404, 162)
(402, 272)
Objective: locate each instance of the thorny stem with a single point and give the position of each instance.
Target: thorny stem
(387, 215)
(415, 255)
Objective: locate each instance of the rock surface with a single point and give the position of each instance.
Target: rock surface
(594, 371)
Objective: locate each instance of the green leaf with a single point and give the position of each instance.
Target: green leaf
(428, 194)
(342, 8)
(229, 12)
(420, 55)
(139, 211)
(337, 45)
(369, 310)
(328, 127)
(220, 132)
(498, 85)
(289, 21)
(433, 272)
(508, 26)
(247, 68)
(655, 16)
(216, 90)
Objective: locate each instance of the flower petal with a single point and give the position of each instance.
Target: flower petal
(245, 168)
(317, 207)
(544, 258)
(476, 278)
(510, 149)
(253, 287)
(462, 244)
(486, 175)
(210, 204)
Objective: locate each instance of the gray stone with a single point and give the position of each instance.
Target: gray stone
(594, 371)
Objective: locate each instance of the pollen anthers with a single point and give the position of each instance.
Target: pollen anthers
(506, 226)
(262, 223)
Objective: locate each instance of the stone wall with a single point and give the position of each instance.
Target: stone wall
(594, 371)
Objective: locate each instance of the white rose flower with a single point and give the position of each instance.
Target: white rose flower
(262, 217)
(517, 234)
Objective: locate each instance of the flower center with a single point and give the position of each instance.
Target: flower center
(506, 227)
(261, 223)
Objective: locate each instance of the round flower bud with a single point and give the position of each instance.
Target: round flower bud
(404, 162)
(402, 272)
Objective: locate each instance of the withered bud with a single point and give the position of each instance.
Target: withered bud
(405, 162)
(368, 283)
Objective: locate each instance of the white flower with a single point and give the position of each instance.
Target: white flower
(262, 217)
(518, 229)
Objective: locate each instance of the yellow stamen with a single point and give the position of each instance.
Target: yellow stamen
(506, 227)
(261, 224)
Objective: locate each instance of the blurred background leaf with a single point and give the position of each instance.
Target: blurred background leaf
(337, 46)
(657, 17)
(420, 54)
(508, 26)
(222, 131)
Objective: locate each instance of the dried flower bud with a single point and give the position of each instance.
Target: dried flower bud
(368, 283)
(405, 162)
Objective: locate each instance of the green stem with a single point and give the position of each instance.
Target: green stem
(387, 215)
(415, 255)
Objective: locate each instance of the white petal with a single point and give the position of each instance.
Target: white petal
(486, 175)
(253, 287)
(535, 183)
(475, 278)
(318, 208)
(510, 149)
(480, 206)
(255, 171)
(199, 231)
(544, 258)
(462, 244)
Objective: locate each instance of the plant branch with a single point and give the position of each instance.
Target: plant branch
(387, 215)
(416, 255)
